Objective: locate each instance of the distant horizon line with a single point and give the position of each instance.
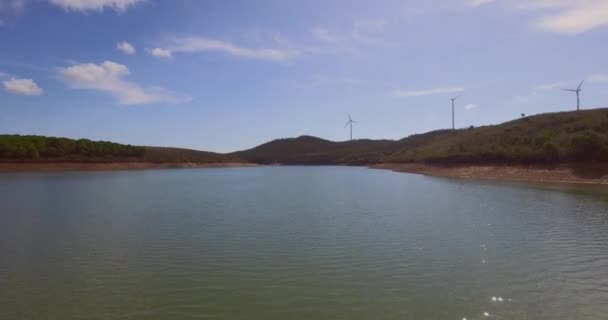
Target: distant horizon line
(294, 137)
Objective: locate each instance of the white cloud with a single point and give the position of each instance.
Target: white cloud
(160, 53)
(22, 86)
(126, 47)
(95, 5)
(562, 16)
(109, 76)
(195, 44)
(598, 77)
(427, 92)
(471, 106)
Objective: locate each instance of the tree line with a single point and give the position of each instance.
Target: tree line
(18, 147)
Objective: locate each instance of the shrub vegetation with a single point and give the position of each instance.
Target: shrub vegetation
(545, 138)
(16, 148)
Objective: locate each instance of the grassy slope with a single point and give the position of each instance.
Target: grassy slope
(545, 138)
(549, 137)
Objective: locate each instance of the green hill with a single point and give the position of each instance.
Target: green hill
(313, 150)
(17, 148)
(545, 138)
(550, 137)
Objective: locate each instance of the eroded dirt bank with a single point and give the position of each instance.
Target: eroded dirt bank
(564, 173)
(84, 166)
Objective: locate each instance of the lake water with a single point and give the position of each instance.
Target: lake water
(298, 243)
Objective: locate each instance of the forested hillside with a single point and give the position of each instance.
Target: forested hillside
(14, 148)
(545, 138)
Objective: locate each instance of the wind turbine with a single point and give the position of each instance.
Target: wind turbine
(453, 101)
(350, 123)
(578, 94)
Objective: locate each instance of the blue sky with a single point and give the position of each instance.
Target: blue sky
(228, 75)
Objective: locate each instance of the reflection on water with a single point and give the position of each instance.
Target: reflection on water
(298, 243)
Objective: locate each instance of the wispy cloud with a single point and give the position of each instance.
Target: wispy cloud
(365, 29)
(331, 42)
(324, 35)
(561, 16)
(126, 48)
(275, 48)
(197, 44)
(576, 19)
(550, 86)
(324, 81)
(109, 77)
(12, 6)
(594, 78)
(27, 87)
(427, 92)
(598, 77)
(471, 106)
(476, 3)
(9, 9)
(365, 32)
(95, 5)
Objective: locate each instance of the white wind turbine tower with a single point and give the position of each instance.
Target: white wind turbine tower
(578, 94)
(350, 123)
(453, 102)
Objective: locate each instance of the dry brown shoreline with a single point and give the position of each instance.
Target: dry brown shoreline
(565, 173)
(104, 166)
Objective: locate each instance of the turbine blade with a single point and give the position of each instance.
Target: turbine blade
(571, 90)
(580, 85)
(349, 117)
(346, 125)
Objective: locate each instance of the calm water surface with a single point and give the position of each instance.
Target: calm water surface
(298, 243)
